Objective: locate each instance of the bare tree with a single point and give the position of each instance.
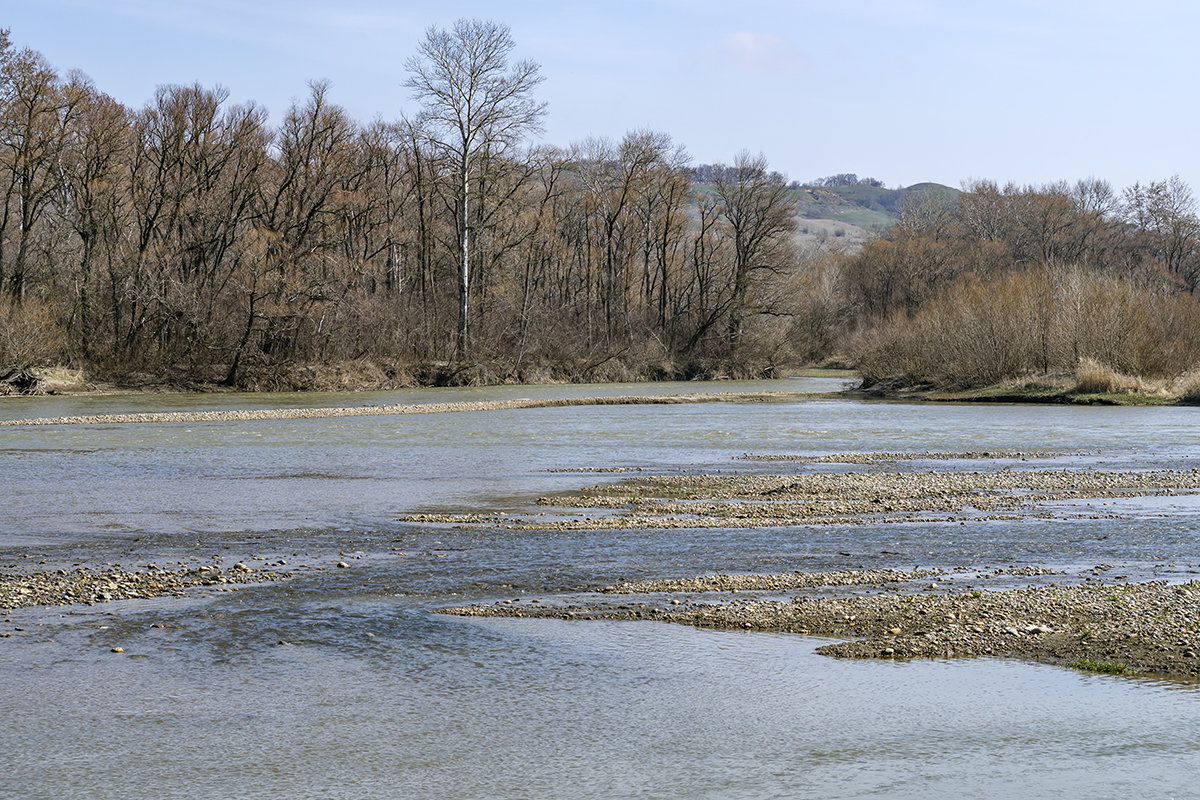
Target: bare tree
(472, 99)
(926, 212)
(614, 177)
(35, 113)
(1166, 212)
(760, 218)
(97, 203)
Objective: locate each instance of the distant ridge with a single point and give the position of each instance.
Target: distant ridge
(845, 214)
(872, 208)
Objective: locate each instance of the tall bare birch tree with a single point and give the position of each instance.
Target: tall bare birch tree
(472, 100)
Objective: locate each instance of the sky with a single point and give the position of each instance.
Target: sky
(901, 90)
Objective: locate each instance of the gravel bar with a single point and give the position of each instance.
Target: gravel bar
(398, 409)
(84, 586)
(1133, 628)
(840, 498)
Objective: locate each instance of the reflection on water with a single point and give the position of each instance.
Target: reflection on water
(373, 696)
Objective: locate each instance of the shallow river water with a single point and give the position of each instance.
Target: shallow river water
(340, 683)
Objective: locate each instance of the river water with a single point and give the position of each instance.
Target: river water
(340, 683)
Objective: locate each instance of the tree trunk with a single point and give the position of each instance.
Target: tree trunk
(464, 281)
(236, 361)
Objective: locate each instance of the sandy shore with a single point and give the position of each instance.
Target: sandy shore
(398, 409)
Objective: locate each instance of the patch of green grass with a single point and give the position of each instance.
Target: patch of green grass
(1101, 667)
(864, 218)
(1117, 399)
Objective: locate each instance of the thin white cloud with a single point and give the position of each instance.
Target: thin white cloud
(756, 53)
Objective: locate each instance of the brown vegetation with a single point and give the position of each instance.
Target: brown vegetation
(1007, 284)
(980, 332)
(190, 242)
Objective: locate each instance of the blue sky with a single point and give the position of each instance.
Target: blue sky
(902, 90)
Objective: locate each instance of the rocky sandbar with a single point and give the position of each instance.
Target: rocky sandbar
(1151, 627)
(88, 586)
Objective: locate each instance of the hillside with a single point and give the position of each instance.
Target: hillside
(872, 208)
(846, 216)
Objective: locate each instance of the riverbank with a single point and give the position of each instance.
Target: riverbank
(362, 376)
(1091, 383)
(1151, 628)
(1019, 393)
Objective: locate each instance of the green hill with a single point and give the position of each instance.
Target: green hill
(872, 208)
(846, 215)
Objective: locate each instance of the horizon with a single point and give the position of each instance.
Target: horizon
(912, 92)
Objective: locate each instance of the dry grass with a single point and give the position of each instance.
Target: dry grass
(1187, 387)
(60, 379)
(30, 335)
(1044, 382)
(1092, 377)
(1111, 337)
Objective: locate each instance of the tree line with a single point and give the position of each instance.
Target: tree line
(1003, 282)
(192, 240)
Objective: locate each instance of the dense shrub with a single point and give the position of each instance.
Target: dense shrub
(30, 335)
(981, 332)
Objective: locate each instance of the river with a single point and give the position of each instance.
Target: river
(341, 683)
